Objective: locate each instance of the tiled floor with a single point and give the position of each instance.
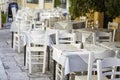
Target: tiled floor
(11, 62)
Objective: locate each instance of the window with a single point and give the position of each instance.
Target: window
(63, 3)
(33, 1)
(48, 0)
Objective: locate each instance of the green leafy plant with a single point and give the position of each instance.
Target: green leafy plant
(57, 3)
(96, 5)
(3, 16)
(112, 8)
(78, 8)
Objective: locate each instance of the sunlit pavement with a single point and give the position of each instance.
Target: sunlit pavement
(11, 62)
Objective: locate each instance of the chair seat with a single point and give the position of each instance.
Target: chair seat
(84, 77)
(35, 49)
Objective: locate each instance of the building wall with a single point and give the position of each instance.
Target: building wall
(32, 5)
(47, 5)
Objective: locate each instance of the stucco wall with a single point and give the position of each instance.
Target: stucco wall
(47, 5)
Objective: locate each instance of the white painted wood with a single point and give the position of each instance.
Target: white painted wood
(60, 36)
(113, 26)
(104, 36)
(105, 63)
(67, 5)
(23, 3)
(31, 57)
(41, 4)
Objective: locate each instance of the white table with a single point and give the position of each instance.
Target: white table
(67, 24)
(86, 33)
(73, 58)
(35, 38)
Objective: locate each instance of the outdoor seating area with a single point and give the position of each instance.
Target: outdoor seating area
(65, 45)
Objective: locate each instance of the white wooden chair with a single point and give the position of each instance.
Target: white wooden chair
(92, 65)
(103, 36)
(113, 26)
(52, 21)
(21, 27)
(36, 50)
(105, 54)
(83, 17)
(39, 25)
(63, 37)
(105, 63)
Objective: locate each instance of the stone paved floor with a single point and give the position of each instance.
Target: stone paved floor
(11, 62)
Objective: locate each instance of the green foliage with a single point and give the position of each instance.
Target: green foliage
(112, 8)
(3, 15)
(96, 5)
(57, 3)
(78, 8)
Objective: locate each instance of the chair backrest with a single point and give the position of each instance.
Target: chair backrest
(37, 37)
(52, 21)
(64, 37)
(113, 26)
(83, 18)
(93, 57)
(103, 36)
(39, 24)
(24, 26)
(107, 63)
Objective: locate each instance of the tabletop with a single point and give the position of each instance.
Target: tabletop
(72, 58)
(67, 24)
(35, 37)
(110, 45)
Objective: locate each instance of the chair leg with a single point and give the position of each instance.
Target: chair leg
(62, 73)
(14, 42)
(59, 72)
(30, 63)
(72, 77)
(44, 62)
(19, 45)
(56, 75)
(26, 65)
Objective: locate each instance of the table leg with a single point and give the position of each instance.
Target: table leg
(67, 76)
(54, 69)
(12, 39)
(48, 50)
(24, 55)
(118, 69)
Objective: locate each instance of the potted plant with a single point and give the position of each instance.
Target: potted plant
(3, 18)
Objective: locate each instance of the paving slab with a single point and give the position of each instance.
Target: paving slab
(12, 63)
(3, 75)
